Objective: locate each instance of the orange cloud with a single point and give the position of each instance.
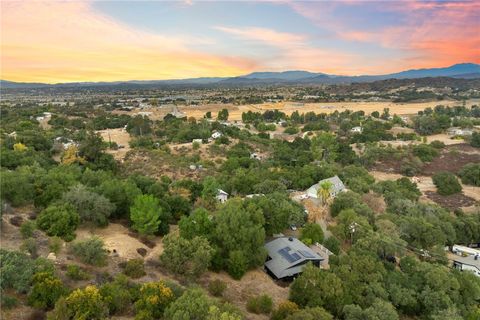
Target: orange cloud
(68, 41)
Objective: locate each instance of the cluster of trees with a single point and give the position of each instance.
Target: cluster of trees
(390, 261)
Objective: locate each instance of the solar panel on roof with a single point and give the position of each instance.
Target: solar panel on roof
(306, 254)
(284, 252)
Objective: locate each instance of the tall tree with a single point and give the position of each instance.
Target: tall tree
(145, 214)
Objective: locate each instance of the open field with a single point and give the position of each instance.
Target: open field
(235, 111)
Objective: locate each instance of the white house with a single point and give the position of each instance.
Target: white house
(455, 131)
(356, 130)
(337, 187)
(466, 259)
(221, 196)
(216, 135)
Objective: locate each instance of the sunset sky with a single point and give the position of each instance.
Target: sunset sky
(66, 41)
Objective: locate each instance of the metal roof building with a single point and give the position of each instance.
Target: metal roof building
(337, 187)
(288, 256)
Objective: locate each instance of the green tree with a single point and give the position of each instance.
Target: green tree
(380, 310)
(312, 233)
(324, 190)
(475, 140)
(59, 220)
(186, 257)
(91, 207)
(193, 304)
(121, 193)
(239, 228)
(446, 183)
(317, 288)
(145, 214)
(222, 115)
(324, 146)
(199, 223)
(470, 174)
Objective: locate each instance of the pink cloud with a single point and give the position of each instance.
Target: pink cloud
(431, 33)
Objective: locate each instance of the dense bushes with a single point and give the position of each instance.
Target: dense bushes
(260, 304)
(59, 220)
(312, 233)
(186, 257)
(134, 268)
(90, 251)
(470, 174)
(446, 183)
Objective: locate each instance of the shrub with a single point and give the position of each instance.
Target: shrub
(260, 304)
(284, 309)
(237, 264)
(27, 228)
(91, 207)
(154, 298)
(312, 233)
(90, 251)
(55, 244)
(8, 302)
(332, 244)
(118, 295)
(446, 183)
(291, 130)
(437, 144)
(425, 152)
(74, 272)
(30, 246)
(470, 174)
(216, 287)
(134, 268)
(84, 303)
(475, 140)
(186, 257)
(59, 220)
(46, 290)
(17, 269)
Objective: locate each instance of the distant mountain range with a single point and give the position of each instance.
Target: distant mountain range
(461, 70)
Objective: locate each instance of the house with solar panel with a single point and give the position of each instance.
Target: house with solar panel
(288, 256)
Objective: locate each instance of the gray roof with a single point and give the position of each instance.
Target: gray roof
(337, 184)
(288, 257)
(468, 260)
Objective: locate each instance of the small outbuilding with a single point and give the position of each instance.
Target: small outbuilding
(221, 196)
(287, 257)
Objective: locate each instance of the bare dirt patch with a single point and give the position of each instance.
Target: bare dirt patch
(253, 283)
(452, 159)
(121, 137)
(117, 237)
(452, 202)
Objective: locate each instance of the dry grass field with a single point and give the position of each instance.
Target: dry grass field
(235, 112)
